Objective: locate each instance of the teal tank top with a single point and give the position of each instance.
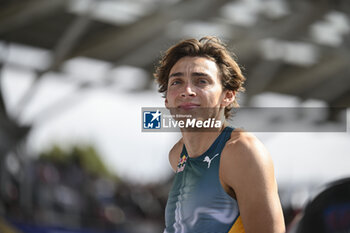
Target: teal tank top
(197, 202)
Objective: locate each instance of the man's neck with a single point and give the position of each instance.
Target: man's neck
(199, 142)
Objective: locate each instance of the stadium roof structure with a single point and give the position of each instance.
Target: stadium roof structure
(300, 47)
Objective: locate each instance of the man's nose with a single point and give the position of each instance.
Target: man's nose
(188, 90)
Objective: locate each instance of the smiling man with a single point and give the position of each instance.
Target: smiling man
(224, 179)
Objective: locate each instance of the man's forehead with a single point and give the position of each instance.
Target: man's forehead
(194, 64)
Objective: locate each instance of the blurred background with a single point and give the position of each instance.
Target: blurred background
(74, 75)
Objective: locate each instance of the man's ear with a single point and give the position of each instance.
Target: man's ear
(229, 97)
(166, 102)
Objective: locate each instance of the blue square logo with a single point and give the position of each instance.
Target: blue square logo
(152, 119)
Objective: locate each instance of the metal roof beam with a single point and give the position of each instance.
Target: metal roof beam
(24, 12)
(115, 44)
(301, 80)
(291, 29)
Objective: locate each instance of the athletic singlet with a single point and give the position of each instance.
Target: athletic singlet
(197, 202)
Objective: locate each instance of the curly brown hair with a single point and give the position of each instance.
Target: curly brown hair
(208, 47)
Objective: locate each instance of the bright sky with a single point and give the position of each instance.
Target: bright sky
(108, 119)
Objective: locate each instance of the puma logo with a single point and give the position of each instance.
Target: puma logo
(208, 160)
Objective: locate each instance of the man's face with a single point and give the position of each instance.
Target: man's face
(195, 82)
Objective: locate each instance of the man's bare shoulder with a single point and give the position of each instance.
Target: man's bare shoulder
(244, 145)
(244, 154)
(174, 154)
(247, 168)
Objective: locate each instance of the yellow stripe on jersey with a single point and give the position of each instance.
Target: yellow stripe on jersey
(237, 226)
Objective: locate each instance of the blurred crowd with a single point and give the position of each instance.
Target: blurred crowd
(65, 193)
(73, 192)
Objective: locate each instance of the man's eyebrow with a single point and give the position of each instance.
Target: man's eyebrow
(177, 74)
(199, 74)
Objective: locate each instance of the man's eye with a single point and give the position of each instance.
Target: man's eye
(203, 81)
(174, 83)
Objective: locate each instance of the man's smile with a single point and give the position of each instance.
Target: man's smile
(188, 106)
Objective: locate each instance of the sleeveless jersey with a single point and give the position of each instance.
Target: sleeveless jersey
(197, 202)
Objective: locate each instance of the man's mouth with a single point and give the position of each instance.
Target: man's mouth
(188, 106)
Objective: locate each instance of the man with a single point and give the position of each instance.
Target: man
(224, 178)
